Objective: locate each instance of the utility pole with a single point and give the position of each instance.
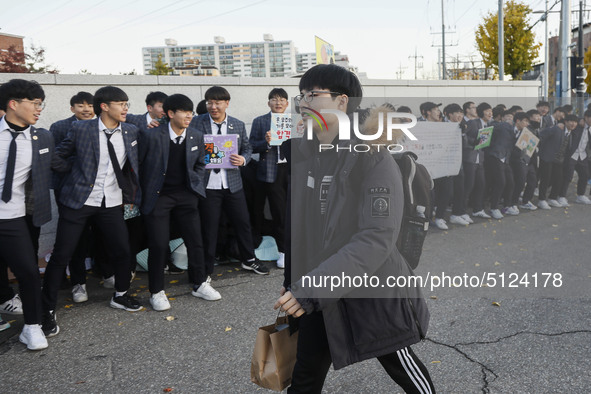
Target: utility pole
(581, 72)
(546, 56)
(420, 65)
(564, 46)
(501, 43)
(400, 70)
(443, 41)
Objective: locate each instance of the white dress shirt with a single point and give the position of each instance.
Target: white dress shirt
(15, 208)
(581, 153)
(105, 184)
(220, 180)
(173, 135)
(148, 118)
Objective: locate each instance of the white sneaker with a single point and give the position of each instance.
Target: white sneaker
(159, 301)
(583, 200)
(33, 337)
(529, 206)
(467, 218)
(109, 283)
(440, 224)
(563, 201)
(554, 203)
(543, 204)
(496, 214)
(481, 214)
(14, 306)
(79, 293)
(281, 260)
(511, 211)
(207, 292)
(458, 220)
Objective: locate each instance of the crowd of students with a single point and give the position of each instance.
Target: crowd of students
(503, 173)
(124, 182)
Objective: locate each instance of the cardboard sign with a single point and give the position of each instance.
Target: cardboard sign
(527, 142)
(484, 137)
(280, 128)
(218, 149)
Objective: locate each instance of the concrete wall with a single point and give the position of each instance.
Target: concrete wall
(249, 95)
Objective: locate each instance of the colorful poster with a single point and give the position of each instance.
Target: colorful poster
(324, 52)
(484, 137)
(280, 128)
(527, 142)
(218, 149)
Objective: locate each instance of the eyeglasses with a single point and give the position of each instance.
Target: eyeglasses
(215, 103)
(308, 97)
(122, 104)
(187, 113)
(276, 100)
(37, 103)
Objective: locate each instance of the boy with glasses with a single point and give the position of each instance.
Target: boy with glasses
(100, 157)
(172, 165)
(25, 158)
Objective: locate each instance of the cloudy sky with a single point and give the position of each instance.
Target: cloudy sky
(106, 37)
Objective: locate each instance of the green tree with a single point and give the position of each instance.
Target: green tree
(160, 68)
(520, 48)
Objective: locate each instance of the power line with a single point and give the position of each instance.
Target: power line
(69, 17)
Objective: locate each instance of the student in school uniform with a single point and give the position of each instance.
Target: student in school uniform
(102, 176)
(576, 158)
(25, 163)
(172, 168)
(224, 186)
(154, 114)
(272, 169)
(551, 154)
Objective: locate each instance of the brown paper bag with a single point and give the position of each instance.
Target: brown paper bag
(274, 356)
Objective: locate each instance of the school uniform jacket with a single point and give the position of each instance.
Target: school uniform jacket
(59, 130)
(40, 180)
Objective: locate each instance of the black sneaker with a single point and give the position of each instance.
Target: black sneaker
(256, 266)
(49, 324)
(125, 302)
(173, 270)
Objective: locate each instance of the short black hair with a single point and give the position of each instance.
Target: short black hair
(519, 116)
(498, 111)
(532, 112)
(481, 108)
(177, 102)
(559, 109)
(405, 109)
(452, 108)
(543, 104)
(278, 92)
(467, 105)
(217, 93)
(587, 113)
(567, 108)
(514, 109)
(336, 79)
(505, 113)
(19, 89)
(155, 97)
(107, 94)
(571, 118)
(81, 98)
(201, 108)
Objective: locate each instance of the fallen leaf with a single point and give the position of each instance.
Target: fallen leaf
(136, 278)
(556, 238)
(496, 303)
(433, 297)
(134, 295)
(500, 244)
(236, 269)
(219, 274)
(484, 285)
(497, 263)
(167, 390)
(169, 318)
(554, 225)
(120, 323)
(228, 328)
(68, 306)
(229, 270)
(174, 281)
(461, 262)
(477, 265)
(143, 286)
(513, 262)
(494, 231)
(12, 321)
(582, 230)
(435, 362)
(172, 298)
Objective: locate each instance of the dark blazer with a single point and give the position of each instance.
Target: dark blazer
(59, 130)
(550, 142)
(267, 168)
(82, 143)
(502, 141)
(518, 156)
(576, 135)
(547, 121)
(138, 120)
(40, 180)
(202, 123)
(153, 158)
(469, 154)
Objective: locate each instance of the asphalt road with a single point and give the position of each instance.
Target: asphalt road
(482, 339)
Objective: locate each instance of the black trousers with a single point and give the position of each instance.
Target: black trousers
(276, 193)
(313, 361)
(531, 180)
(551, 176)
(77, 264)
(234, 205)
(474, 185)
(18, 253)
(570, 166)
(499, 178)
(519, 170)
(183, 207)
(443, 189)
(70, 227)
(458, 202)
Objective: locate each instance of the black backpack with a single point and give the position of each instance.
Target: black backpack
(418, 186)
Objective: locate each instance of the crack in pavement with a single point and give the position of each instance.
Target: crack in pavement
(483, 368)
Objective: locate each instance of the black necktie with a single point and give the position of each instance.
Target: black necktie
(114, 161)
(178, 140)
(219, 132)
(10, 164)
